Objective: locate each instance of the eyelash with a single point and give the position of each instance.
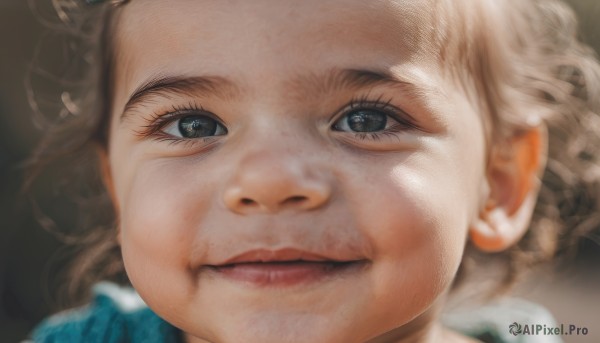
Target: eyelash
(403, 123)
(158, 120)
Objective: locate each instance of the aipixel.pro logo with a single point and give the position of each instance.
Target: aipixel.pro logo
(515, 328)
(545, 330)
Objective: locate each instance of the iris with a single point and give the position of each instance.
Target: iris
(366, 121)
(197, 126)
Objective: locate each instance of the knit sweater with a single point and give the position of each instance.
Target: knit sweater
(117, 315)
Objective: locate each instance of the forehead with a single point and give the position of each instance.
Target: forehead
(267, 37)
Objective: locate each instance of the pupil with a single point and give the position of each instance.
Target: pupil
(194, 127)
(367, 121)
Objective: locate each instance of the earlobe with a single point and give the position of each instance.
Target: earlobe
(497, 229)
(514, 182)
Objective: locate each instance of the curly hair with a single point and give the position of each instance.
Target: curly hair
(516, 55)
(528, 59)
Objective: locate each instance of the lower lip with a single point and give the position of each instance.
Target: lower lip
(281, 274)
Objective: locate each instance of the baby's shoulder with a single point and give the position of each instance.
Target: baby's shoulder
(117, 315)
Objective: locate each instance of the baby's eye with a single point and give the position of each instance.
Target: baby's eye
(363, 120)
(195, 126)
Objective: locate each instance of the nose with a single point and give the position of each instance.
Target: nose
(269, 183)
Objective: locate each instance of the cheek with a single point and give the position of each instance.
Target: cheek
(158, 223)
(419, 203)
(416, 218)
(427, 220)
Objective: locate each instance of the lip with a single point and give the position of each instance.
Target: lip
(283, 267)
(279, 255)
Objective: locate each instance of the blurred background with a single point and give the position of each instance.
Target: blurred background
(30, 257)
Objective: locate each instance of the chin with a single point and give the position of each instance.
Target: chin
(281, 328)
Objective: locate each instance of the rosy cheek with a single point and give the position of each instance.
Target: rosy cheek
(419, 227)
(158, 224)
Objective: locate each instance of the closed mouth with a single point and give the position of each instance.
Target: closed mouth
(285, 273)
(284, 264)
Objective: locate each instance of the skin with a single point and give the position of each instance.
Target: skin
(402, 202)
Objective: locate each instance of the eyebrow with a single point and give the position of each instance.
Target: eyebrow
(339, 79)
(165, 86)
(329, 82)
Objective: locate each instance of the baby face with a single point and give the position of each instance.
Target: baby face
(286, 171)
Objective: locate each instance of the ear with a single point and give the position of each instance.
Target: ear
(107, 180)
(513, 180)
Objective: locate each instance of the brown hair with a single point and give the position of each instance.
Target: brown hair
(527, 58)
(74, 138)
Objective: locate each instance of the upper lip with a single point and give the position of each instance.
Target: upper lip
(279, 255)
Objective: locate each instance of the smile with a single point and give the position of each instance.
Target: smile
(283, 268)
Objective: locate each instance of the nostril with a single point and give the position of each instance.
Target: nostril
(295, 199)
(246, 201)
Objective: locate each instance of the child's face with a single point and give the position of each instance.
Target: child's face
(295, 129)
